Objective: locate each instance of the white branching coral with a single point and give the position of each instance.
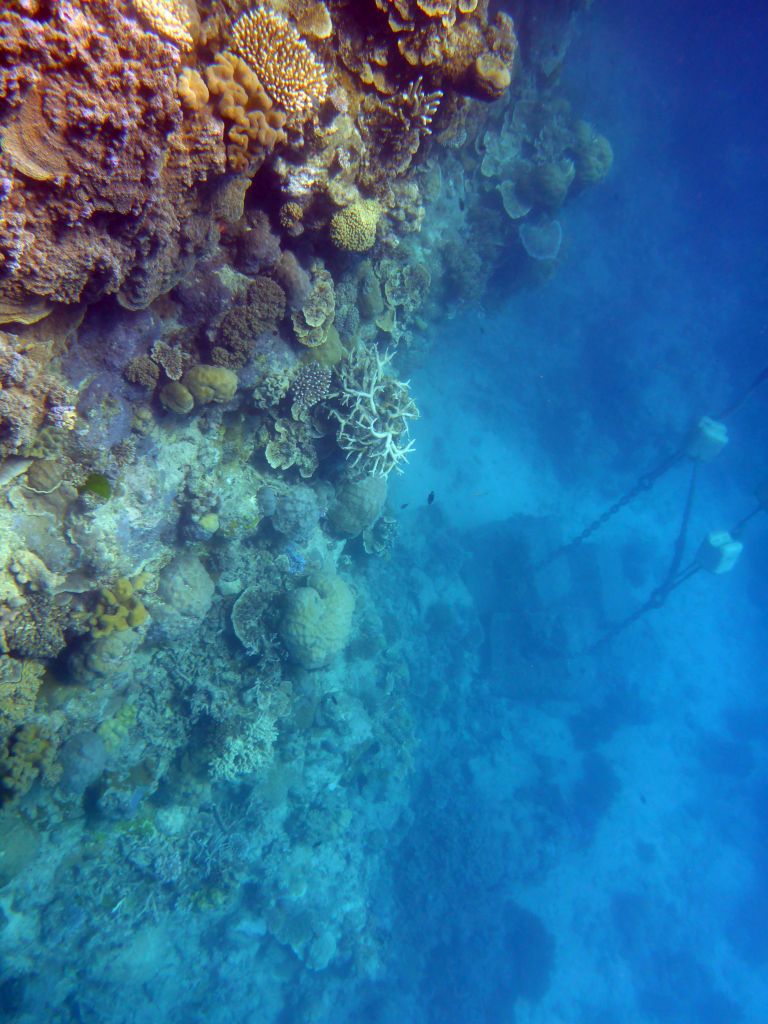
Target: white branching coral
(373, 410)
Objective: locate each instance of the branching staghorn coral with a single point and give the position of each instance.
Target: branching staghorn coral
(373, 411)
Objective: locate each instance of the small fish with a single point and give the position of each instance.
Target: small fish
(405, 505)
(430, 497)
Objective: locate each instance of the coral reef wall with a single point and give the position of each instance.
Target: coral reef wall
(227, 233)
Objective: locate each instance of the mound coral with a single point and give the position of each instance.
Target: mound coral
(209, 384)
(288, 69)
(354, 228)
(373, 413)
(358, 504)
(176, 397)
(594, 155)
(317, 620)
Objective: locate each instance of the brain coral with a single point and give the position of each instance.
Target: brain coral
(256, 127)
(317, 620)
(290, 72)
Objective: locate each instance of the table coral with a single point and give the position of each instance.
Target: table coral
(288, 69)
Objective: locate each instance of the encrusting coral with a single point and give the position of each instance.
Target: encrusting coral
(86, 140)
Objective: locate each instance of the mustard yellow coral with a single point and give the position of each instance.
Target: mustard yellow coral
(289, 71)
(354, 227)
(169, 18)
(210, 383)
(119, 608)
(192, 90)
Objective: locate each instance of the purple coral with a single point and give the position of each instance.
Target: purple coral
(258, 248)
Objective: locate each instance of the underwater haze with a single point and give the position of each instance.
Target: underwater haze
(383, 512)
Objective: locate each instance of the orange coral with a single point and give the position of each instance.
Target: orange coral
(93, 134)
(256, 127)
(290, 72)
(454, 40)
(170, 18)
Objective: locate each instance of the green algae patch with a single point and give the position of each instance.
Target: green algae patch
(97, 485)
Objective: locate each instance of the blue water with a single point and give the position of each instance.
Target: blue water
(589, 843)
(585, 838)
